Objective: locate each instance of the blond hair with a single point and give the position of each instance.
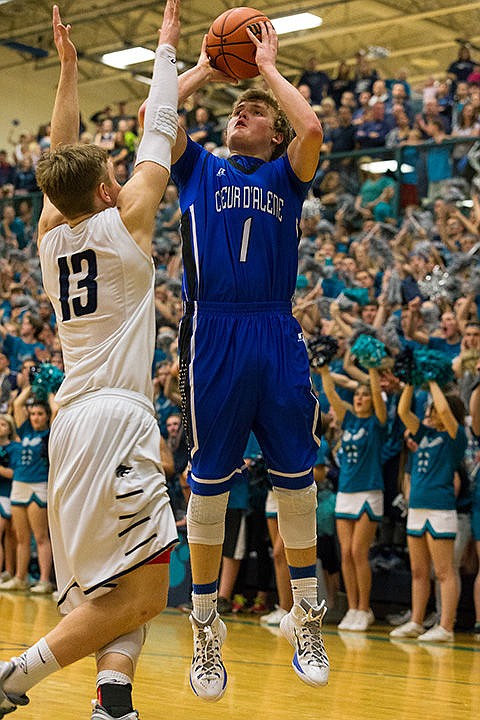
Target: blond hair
(11, 424)
(69, 175)
(280, 121)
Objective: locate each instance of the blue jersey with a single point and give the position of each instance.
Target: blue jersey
(360, 454)
(243, 361)
(240, 219)
(433, 467)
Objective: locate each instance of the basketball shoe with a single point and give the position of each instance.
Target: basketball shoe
(10, 702)
(302, 627)
(99, 713)
(208, 676)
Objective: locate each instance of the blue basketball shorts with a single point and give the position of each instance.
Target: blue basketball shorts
(243, 367)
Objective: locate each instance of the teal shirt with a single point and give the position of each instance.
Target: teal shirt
(360, 455)
(433, 468)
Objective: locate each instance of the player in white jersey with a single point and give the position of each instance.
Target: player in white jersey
(111, 523)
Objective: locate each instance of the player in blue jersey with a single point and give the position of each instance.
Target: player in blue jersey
(243, 362)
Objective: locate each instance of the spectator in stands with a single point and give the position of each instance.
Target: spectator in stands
(467, 124)
(12, 231)
(25, 346)
(379, 93)
(363, 105)
(317, 80)
(430, 113)
(341, 83)
(460, 69)
(445, 103)
(25, 181)
(7, 170)
(373, 131)
(105, 137)
(364, 75)
(203, 128)
(439, 161)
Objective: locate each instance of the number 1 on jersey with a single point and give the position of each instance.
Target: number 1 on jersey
(245, 239)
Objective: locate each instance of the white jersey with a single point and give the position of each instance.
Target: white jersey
(100, 283)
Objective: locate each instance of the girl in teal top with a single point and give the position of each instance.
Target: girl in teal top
(363, 427)
(441, 443)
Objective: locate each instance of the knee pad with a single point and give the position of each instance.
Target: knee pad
(297, 520)
(206, 519)
(129, 645)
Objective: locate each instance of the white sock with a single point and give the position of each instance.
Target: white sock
(203, 605)
(35, 664)
(305, 588)
(112, 677)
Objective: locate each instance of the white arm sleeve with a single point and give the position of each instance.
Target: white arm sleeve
(160, 125)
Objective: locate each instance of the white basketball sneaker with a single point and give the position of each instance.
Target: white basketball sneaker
(302, 627)
(208, 676)
(10, 702)
(99, 713)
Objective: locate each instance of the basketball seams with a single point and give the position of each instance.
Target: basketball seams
(229, 47)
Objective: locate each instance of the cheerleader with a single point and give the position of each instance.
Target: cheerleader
(440, 442)
(359, 503)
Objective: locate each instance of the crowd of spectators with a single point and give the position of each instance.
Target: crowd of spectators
(391, 250)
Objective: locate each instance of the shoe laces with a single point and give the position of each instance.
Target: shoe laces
(207, 661)
(309, 635)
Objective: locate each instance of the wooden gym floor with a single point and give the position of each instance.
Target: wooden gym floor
(371, 678)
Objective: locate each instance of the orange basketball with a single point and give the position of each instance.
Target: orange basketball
(228, 45)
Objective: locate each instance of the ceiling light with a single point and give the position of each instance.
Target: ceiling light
(382, 166)
(131, 56)
(292, 23)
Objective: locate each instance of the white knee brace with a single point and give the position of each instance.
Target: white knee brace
(206, 519)
(297, 520)
(129, 645)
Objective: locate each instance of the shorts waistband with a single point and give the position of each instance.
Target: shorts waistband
(190, 307)
(128, 395)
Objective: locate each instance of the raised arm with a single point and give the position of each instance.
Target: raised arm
(66, 111)
(377, 399)
(339, 406)
(304, 150)
(65, 123)
(443, 409)
(409, 419)
(139, 198)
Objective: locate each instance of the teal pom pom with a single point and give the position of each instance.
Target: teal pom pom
(47, 380)
(359, 295)
(369, 351)
(432, 365)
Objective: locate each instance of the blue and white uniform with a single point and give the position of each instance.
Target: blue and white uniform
(243, 362)
(432, 502)
(360, 483)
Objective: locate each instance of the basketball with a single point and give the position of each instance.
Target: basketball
(228, 45)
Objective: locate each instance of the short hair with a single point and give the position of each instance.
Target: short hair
(69, 175)
(280, 121)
